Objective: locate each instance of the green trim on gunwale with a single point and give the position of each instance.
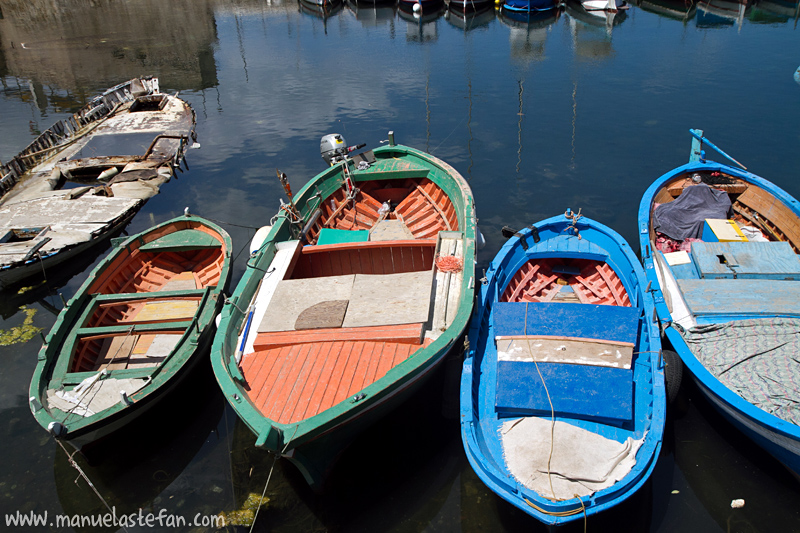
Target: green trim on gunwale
(398, 161)
(54, 356)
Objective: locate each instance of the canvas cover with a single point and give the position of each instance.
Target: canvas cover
(684, 217)
(756, 359)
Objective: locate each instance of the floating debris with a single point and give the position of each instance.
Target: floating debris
(246, 514)
(737, 504)
(20, 334)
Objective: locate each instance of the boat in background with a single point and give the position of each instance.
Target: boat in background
(85, 177)
(420, 7)
(362, 285)
(133, 330)
(531, 7)
(562, 390)
(469, 6)
(719, 245)
(682, 10)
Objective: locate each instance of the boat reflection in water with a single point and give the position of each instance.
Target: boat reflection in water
(528, 32)
(372, 14)
(591, 30)
(721, 13)
(323, 9)
(421, 24)
(468, 20)
(683, 10)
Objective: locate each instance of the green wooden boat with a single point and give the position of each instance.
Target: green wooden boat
(361, 286)
(133, 330)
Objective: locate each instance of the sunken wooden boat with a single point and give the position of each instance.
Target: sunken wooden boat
(83, 179)
(720, 246)
(142, 319)
(562, 389)
(360, 289)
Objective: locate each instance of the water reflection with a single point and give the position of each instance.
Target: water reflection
(372, 14)
(720, 13)
(421, 26)
(592, 30)
(528, 33)
(470, 19)
(85, 47)
(321, 10)
(683, 10)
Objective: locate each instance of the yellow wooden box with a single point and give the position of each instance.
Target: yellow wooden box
(721, 230)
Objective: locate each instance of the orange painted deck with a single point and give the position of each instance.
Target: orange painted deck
(594, 282)
(295, 375)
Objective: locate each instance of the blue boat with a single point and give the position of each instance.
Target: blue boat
(562, 391)
(719, 245)
(530, 6)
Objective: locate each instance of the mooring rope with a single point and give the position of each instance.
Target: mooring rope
(86, 478)
(274, 461)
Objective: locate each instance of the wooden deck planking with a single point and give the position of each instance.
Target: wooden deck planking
(287, 380)
(328, 398)
(320, 386)
(307, 388)
(383, 363)
(294, 397)
(293, 383)
(370, 351)
(269, 374)
(343, 390)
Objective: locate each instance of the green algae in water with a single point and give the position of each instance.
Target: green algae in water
(246, 514)
(20, 334)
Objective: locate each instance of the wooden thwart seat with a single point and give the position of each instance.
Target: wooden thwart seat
(402, 333)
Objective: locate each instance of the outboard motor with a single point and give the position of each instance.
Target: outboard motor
(333, 148)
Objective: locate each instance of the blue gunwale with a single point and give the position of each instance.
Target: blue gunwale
(774, 434)
(479, 422)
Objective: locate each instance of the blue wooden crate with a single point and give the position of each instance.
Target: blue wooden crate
(746, 260)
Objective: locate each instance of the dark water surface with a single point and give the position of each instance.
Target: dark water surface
(564, 112)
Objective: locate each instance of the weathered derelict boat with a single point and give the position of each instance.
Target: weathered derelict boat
(729, 305)
(132, 331)
(562, 390)
(360, 289)
(86, 177)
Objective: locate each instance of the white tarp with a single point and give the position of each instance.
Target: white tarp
(582, 462)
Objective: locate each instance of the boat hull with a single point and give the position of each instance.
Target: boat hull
(492, 401)
(119, 149)
(40, 266)
(778, 437)
(142, 320)
(312, 438)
